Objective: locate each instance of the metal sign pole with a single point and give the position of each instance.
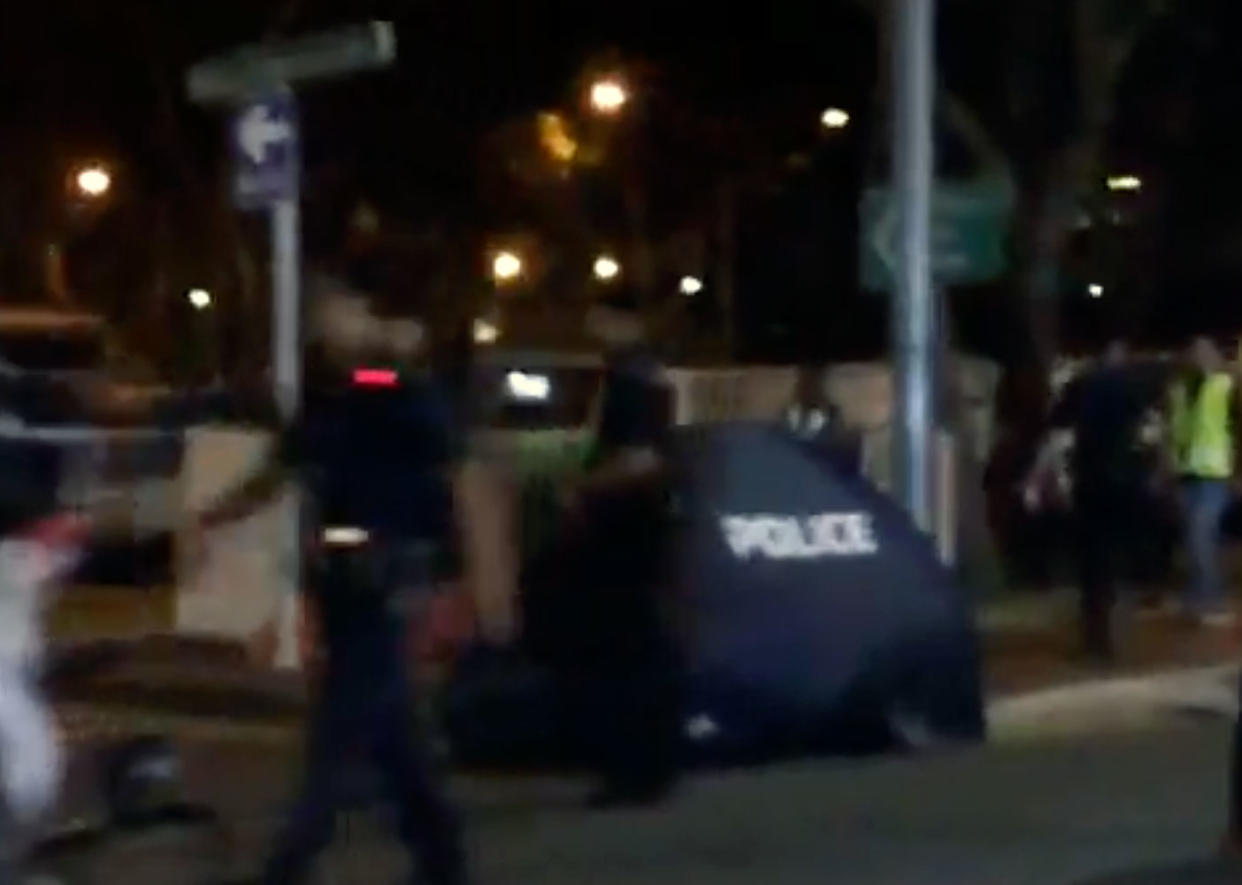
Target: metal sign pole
(287, 387)
(286, 314)
(913, 307)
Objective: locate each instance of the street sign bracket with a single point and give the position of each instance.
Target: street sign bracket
(262, 67)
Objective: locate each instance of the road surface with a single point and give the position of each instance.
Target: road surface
(1139, 809)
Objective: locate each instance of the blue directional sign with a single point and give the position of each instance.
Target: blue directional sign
(265, 151)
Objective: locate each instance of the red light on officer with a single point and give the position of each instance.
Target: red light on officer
(375, 378)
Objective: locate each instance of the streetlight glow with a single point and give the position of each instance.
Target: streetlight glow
(690, 285)
(608, 95)
(606, 268)
(835, 118)
(1130, 183)
(93, 181)
(506, 267)
(200, 299)
(1095, 290)
(556, 139)
(486, 332)
(528, 387)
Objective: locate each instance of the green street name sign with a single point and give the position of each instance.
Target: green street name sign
(267, 66)
(970, 228)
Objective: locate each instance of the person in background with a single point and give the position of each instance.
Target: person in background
(1047, 529)
(46, 522)
(815, 418)
(811, 412)
(1203, 419)
(375, 456)
(31, 756)
(629, 674)
(1105, 412)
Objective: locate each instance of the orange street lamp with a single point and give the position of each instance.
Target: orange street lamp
(608, 96)
(93, 181)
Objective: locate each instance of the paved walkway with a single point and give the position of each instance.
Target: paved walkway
(1031, 642)
(1038, 685)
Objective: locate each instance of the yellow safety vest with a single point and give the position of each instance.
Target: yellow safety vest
(1202, 435)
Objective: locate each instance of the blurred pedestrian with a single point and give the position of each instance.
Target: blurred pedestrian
(814, 418)
(629, 676)
(42, 538)
(374, 453)
(1203, 418)
(1105, 411)
(1046, 531)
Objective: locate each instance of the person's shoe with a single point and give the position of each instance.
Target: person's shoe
(439, 879)
(1152, 607)
(1095, 659)
(1098, 652)
(612, 797)
(1178, 609)
(1221, 620)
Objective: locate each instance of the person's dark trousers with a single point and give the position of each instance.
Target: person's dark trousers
(1103, 515)
(636, 723)
(1235, 779)
(629, 697)
(364, 715)
(628, 661)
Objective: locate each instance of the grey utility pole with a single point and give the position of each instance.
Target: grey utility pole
(913, 312)
(286, 304)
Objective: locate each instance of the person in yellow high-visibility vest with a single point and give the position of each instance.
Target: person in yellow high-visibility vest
(1203, 419)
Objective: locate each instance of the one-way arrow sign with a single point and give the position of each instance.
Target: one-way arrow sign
(265, 151)
(257, 130)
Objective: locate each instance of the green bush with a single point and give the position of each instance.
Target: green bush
(546, 460)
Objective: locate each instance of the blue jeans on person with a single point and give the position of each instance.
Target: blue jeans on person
(1203, 504)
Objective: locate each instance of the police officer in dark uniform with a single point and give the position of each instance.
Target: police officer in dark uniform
(629, 668)
(372, 450)
(1105, 410)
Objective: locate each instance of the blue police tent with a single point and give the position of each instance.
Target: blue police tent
(815, 620)
(819, 620)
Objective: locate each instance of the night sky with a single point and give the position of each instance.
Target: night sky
(85, 80)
